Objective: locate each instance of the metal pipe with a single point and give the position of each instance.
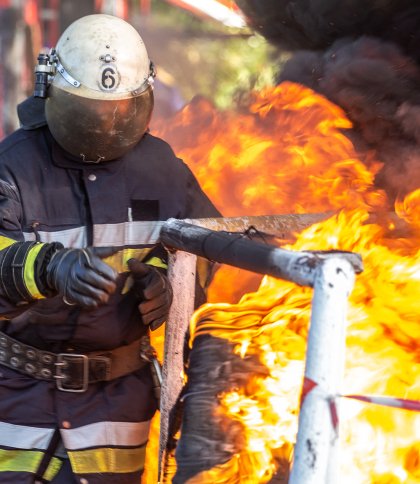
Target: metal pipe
(315, 455)
(235, 250)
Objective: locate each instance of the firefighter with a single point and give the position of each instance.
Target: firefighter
(83, 190)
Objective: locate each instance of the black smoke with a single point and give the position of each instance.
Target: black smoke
(317, 24)
(363, 56)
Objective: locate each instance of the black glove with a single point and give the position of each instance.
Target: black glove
(153, 290)
(81, 277)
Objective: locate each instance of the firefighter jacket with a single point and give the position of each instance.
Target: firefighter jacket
(47, 196)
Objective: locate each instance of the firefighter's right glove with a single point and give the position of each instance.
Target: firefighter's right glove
(81, 277)
(153, 291)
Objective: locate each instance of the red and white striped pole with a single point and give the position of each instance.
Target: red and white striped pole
(315, 455)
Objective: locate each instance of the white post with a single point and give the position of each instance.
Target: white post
(315, 455)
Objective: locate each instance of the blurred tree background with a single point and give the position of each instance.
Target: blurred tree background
(195, 53)
(203, 56)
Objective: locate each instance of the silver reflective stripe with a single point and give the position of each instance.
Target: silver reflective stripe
(69, 238)
(104, 434)
(23, 437)
(126, 234)
(104, 235)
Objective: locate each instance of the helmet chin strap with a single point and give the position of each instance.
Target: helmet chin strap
(92, 162)
(67, 77)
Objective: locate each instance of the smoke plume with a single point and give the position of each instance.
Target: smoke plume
(364, 56)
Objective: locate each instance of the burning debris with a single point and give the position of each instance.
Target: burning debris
(245, 419)
(209, 437)
(312, 167)
(340, 132)
(206, 443)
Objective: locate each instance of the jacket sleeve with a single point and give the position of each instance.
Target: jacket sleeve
(19, 260)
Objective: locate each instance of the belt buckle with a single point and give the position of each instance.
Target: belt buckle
(63, 362)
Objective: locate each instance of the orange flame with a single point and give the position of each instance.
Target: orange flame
(286, 152)
(383, 357)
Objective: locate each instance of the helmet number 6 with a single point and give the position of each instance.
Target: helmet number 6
(109, 78)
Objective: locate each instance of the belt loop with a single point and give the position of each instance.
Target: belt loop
(48, 455)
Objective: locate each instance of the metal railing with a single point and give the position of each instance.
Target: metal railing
(330, 273)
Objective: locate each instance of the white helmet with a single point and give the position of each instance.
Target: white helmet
(100, 100)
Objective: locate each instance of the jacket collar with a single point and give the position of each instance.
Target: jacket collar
(63, 159)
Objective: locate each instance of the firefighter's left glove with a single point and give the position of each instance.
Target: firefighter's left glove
(81, 277)
(154, 293)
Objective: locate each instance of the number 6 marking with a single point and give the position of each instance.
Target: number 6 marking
(109, 78)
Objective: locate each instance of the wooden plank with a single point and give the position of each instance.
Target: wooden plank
(281, 226)
(181, 273)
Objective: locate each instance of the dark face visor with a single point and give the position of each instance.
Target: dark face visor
(97, 130)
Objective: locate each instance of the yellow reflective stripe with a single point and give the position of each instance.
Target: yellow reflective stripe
(157, 262)
(119, 260)
(27, 461)
(52, 469)
(6, 242)
(19, 460)
(29, 273)
(94, 461)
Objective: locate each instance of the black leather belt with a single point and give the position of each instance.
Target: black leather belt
(73, 372)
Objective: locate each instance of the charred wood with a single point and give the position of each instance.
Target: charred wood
(209, 438)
